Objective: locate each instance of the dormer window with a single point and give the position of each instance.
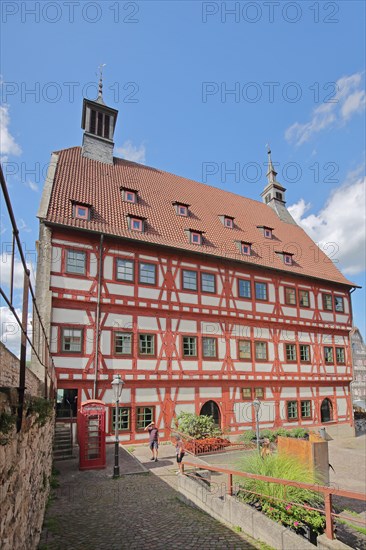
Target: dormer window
(246, 249)
(181, 209)
(136, 224)
(129, 195)
(287, 259)
(196, 238)
(227, 221)
(267, 231)
(81, 211)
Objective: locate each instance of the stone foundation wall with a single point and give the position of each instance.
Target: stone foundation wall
(9, 373)
(25, 469)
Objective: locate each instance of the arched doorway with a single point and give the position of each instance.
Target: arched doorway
(326, 410)
(210, 408)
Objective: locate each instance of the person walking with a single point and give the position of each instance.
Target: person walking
(179, 451)
(153, 440)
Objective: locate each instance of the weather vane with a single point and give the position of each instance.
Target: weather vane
(100, 87)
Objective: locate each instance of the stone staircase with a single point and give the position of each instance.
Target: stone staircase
(62, 443)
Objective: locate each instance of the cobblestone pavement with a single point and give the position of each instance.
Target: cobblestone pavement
(92, 511)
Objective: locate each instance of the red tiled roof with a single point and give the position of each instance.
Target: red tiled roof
(86, 181)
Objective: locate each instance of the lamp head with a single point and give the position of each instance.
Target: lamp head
(117, 385)
(256, 405)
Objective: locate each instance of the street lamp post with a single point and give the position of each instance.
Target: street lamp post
(117, 385)
(257, 406)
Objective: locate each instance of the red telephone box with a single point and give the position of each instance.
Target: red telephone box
(91, 430)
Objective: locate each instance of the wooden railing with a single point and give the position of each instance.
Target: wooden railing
(327, 492)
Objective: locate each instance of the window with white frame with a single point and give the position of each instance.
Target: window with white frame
(260, 350)
(189, 346)
(340, 356)
(76, 262)
(208, 282)
(146, 344)
(290, 352)
(124, 270)
(196, 238)
(122, 343)
(147, 273)
(305, 409)
(338, 303)
(327, 302)
(124, 419)
(189, 279)
(72, 339)
(304, 299)
(209, 347)
(144, 417)
(304, 353)
(290, 296)
(244, 288)
(292, 412)
(260, 291)
(245, 349)
(328, 354)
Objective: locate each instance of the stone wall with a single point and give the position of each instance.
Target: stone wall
(25, 469)
(9, 373)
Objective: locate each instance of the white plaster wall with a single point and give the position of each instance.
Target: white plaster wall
(149, 293)
(117, 320)
(184, 407)
(188, 326)
(70, 283)
(210, 393)
(108, 267)
(187, 298)
(70, 362)
(185, 394)
(146, 395)
(56, 258)
(264, 308)
(120, 289)
(93, 264)
(341, 406)
(209, 300)
(118, 364)
(72, 316)
(147, 323)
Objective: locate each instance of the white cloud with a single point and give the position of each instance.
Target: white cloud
(10, 331)
(32, 186)
(349, 99)
(339, 227)
(8, 145)
(130, 152)
(18, 273)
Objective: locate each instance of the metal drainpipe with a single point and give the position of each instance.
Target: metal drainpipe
(97, 316)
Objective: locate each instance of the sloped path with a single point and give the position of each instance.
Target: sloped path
(92, 511)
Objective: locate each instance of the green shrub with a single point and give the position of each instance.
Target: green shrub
(282, 467)
(247, 436)
(42, 407)
(269, 434)
(197, 426)
(283, 511)
(298, 432)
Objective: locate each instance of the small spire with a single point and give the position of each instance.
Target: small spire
(100, 86)
(271, 173)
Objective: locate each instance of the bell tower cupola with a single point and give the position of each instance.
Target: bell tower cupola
(274, 193)
(98, 122)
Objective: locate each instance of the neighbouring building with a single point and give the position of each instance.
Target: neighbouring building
(359, 368)
(202, 300)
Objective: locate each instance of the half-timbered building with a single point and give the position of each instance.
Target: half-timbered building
(202, 300)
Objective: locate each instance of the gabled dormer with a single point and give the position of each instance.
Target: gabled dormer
(98, 122)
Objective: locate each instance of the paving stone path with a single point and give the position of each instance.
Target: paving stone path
(92, 511)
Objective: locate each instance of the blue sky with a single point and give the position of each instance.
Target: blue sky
(201, 87)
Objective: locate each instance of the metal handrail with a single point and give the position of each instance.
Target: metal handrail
(46, 360)
(327, 492)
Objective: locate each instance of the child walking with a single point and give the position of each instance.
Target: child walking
(179, 451)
